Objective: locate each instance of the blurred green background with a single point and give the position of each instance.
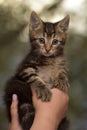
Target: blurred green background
(14, 45)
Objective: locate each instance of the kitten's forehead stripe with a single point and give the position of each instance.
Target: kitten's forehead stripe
(49, 28)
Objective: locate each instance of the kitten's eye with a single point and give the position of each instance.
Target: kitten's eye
(42, 40)
(55, 41)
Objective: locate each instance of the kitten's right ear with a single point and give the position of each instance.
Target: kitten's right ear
(35, 21)
(64, 24)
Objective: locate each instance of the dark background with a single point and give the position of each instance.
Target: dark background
(14, 45)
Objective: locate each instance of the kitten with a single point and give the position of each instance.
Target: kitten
(44, 68)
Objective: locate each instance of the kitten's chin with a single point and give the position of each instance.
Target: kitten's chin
(47, 54)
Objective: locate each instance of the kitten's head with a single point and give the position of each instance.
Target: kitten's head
(48, 39)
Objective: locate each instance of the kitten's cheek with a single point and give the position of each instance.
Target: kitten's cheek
(42, 51)
(52, 51)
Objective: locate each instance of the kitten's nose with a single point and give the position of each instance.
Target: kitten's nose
(47, 50)
(47, 47)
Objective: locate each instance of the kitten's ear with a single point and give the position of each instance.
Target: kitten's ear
(64, 23)
(35, 21)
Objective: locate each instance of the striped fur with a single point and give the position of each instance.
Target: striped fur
(42, 69)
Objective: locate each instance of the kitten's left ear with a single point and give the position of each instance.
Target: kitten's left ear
(64, 23)
(35, 21)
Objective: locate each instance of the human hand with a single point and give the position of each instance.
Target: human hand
(14, 125)
(49, 114)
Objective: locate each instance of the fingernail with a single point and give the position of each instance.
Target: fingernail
(14, 97)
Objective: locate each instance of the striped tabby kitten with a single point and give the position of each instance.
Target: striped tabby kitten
(43, 68)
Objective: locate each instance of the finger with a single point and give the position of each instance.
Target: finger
(14, 108)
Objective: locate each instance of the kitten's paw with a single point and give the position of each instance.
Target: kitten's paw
(43, 93)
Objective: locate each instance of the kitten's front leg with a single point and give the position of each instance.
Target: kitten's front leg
(61, 81)
(41, 88)
(30, 76)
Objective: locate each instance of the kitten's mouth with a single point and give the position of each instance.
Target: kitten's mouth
(47, 54)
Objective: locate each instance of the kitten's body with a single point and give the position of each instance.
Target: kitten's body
(42, 70)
